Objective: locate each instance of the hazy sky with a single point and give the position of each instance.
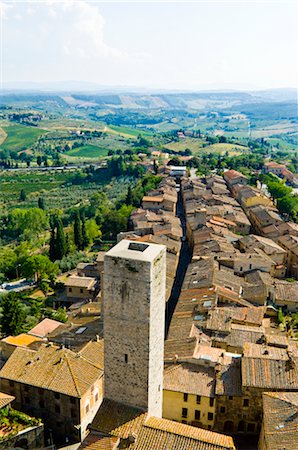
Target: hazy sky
(157, 44)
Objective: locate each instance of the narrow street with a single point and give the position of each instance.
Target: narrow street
(184, 259)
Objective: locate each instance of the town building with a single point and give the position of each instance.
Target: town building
(189, 394)
(233, 177)
(61, 387)
(81, 288)
(280, 421)
(290, 244)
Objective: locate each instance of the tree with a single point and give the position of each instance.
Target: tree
(41, 203)
(85, 237)
(289, 205)
(40, 268)
(52, 250)
(23, 195)
(77, 228)
(61, 245)
(39, 160)
(92, 229)
(222, 139)
(278, 189)
(12, 314)
(129, 198)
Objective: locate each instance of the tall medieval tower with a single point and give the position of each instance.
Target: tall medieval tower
(134, 319)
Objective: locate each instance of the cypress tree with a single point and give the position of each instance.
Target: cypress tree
(77, 228)
(61, 246)
(85, 237)
(23, 195)
(41, 203)
(129, 196)
(52, 250)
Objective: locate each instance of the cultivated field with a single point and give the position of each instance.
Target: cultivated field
(20, 137)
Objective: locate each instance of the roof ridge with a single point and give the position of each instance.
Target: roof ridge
(206, 436)
(279, 395)
(72, 374)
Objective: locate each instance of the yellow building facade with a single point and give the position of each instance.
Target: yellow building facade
(187, 408)
(189, 394)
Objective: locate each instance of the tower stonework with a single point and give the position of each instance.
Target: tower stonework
(134, 321)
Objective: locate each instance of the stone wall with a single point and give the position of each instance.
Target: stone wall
(134, 311)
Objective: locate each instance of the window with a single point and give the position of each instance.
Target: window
(27, 400)
(81, 291)
(185, 397)
(26, 388)
(184, 412)
(41, 403)
(87, 408)
(222, 409)
(183, 421)
(11, 383)
(126, 357)
(250, 427)
(230, 397)
(245, 402)
(73, 413)
(58, 424)
(197, 415)
(57, 409)
(96, 397)
(198, 399)
(57, 395)
(210, 416)
(211, 401)
(69, 289)
(73, 400)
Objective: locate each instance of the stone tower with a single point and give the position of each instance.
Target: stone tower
(134, 319)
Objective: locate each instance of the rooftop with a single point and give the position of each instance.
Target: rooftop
(115, 419)
(135, 250)
(190, 378)
(55, 368)
(233, 174)
(22, 340)
(81, 282)
(280, 419)
(5, 399)
(44, 327)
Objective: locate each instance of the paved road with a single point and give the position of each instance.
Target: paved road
(184, 259)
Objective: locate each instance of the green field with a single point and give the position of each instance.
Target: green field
(198, 146)
(232, 149)
(128, 132)
(88, 151)
(20, 137)
(192, 144)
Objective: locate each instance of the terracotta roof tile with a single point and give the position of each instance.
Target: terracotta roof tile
(44, 327)
(280, 420)
(5, 399)
(190, 378)
(54, 368)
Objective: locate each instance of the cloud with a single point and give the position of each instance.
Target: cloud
(83, 29)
